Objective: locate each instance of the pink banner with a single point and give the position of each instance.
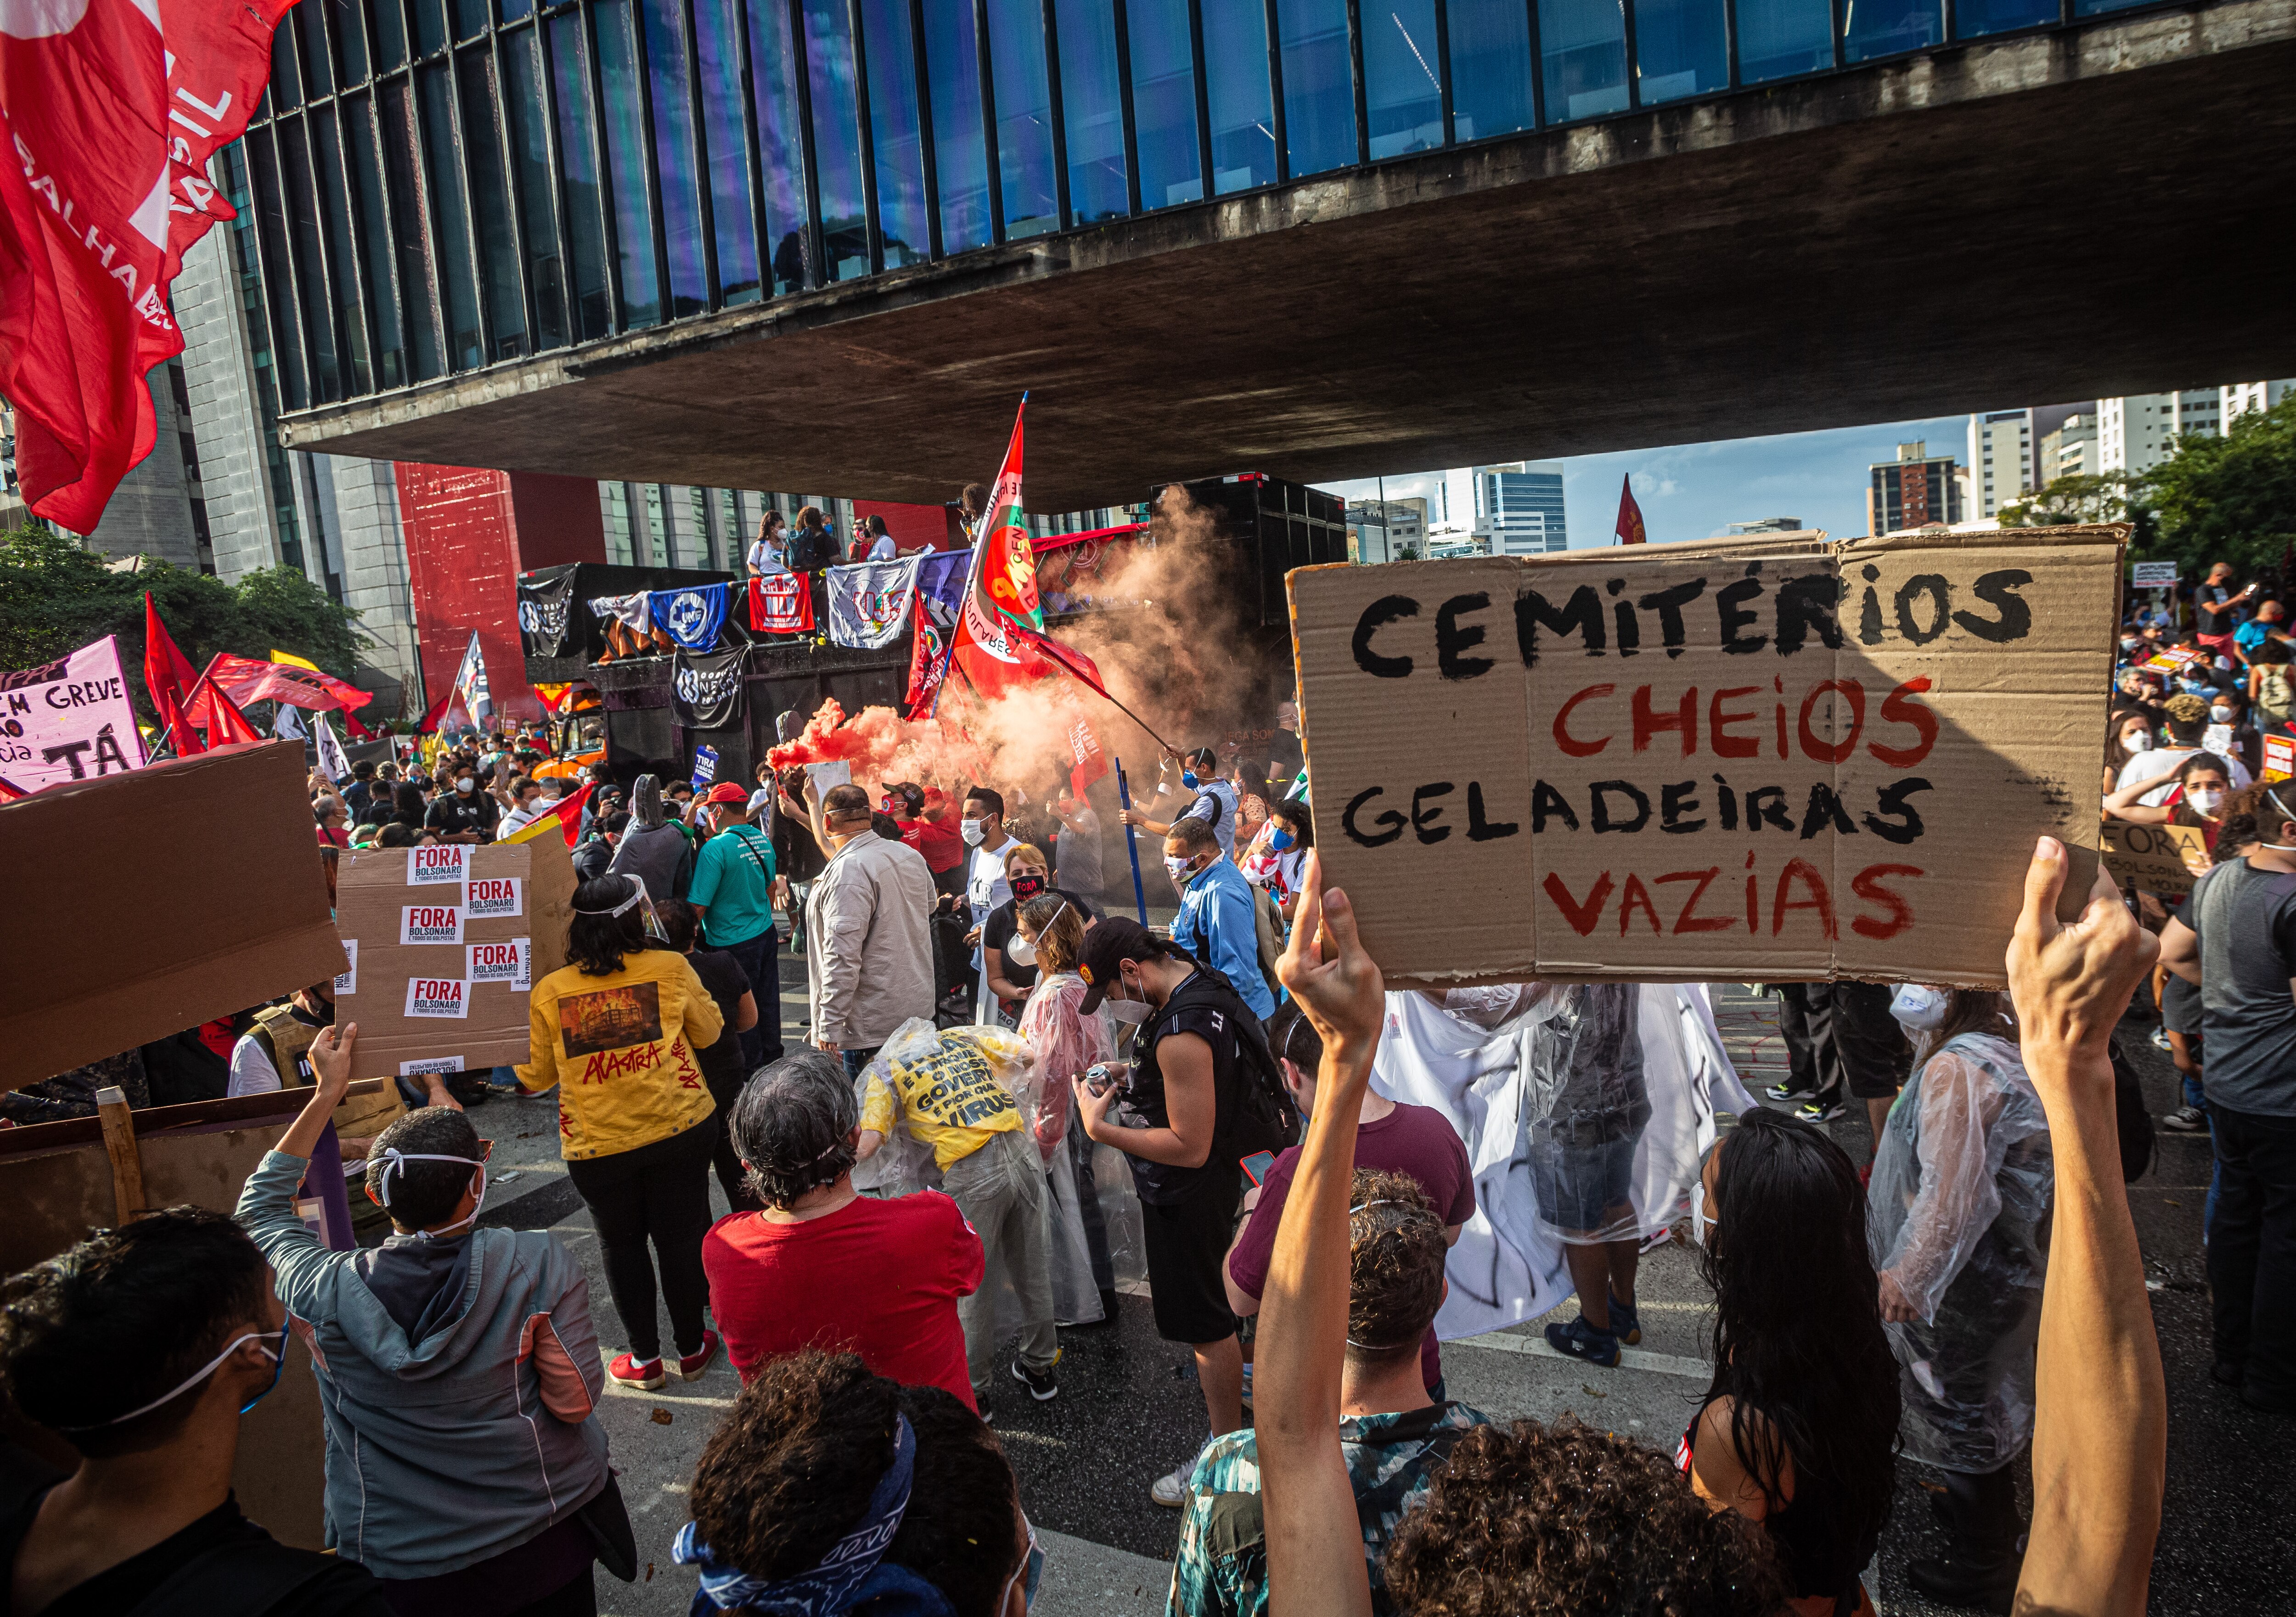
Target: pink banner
(67, 720)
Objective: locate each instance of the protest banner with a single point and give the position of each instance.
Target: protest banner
(67, 720)
(2155, 858)
(2152, 575)
(1786, 760)
(2279, 757)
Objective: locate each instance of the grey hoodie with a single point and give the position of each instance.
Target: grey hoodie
(447, 1449)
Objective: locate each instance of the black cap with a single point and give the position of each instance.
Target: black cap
(1115, 937)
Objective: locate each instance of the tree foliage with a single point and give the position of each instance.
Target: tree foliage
(2227, 498)
(2081, 498)
(55, 597)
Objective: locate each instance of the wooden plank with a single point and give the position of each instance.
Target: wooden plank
(118, 1121)
(239, 1110)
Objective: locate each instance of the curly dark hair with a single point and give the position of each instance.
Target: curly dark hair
(1525, 1519)
(1395, 1266)
(596, 942)
(791, 1468)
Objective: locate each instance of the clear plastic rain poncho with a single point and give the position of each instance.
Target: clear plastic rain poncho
(1602, 1096)
(1955, 1216)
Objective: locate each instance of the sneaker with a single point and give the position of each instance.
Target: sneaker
(2187, 1120)
(692, 1365)
(1822, 1111)
(1988, 1586)
(629, 1373)
(1786, 1092)
(1040, 1383)
(1580, 1340)
(1625, 1325)
(2161, 1040)
(1171, 1490)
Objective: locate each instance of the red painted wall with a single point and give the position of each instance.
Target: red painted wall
(470, 533)
(911, 526)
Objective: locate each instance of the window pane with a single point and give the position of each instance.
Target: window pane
(960, 149)
(1777, 39)
(1319, 92)
(675, 157)
(1164, 102)
(1235, 72)
(618, 76)
(271, 226)
(310, 272)
(374, 243)
(410, 230)
(513, 10)
(1401, 91)
(781, 152)
(351, 40)
(530, 152)
(318, 73)
(442, 159)
(893, 130)
(1024, 117)
(1679, 49)
(286, 82)
(1884, 27)
(837, 138)
(490, 204)
(2097, 8)
(1584, 46)
(389, 36)
(1972, 17)
(1092, 109)
(470, 19)
(342, 265)
(578, 171)
(717, 42)
(430, 25)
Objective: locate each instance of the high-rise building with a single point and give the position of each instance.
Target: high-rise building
(1519, 507)
(1915, 490)
(2133, 433)
(1379, 529)
(2242, 396)
(2071, 449)
(2003, 461)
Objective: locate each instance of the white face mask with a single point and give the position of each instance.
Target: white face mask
(2142, 741)
(394, 1162)
(1178, 869)
(465, 784)
(1700, 1224)
(2208, 800)
(1919, 1006)
(1020, 951)
(973, 833)
(1129, 1012)
(2220, 713)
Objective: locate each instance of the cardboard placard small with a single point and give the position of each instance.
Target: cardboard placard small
(2157, 858)
(151, 901)
(1777, 760)
(444, 967)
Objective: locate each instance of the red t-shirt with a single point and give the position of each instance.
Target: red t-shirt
(1416, 1140)
(879, 1278)
(940, 840)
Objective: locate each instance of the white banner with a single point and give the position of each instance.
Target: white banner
(869, 601)
(68, 721)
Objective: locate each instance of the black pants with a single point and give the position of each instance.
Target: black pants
(1980, 1515)
(1840, 1035)
(723, 1158)
(2252, 1251)
(760, 958)
(659, 1192)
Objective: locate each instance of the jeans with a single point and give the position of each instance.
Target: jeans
(1000, 1189)
(760, 957)
(2253, 1251)
(2196, 1097)
(659, 1192)
(854, 1060)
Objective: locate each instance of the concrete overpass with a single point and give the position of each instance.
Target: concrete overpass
(2092, 207)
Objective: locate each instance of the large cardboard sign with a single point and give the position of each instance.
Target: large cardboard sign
(448, 946)
(68, 721)
(146, 903)
(1789, 760)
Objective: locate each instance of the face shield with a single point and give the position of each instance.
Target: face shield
(643, 902)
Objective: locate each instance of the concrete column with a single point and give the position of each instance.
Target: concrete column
(219, 381)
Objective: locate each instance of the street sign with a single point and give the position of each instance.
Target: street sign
(2152, 575)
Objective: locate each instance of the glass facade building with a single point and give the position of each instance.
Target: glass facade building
(441, 186)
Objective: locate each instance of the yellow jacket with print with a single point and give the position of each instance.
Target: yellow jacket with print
(620, 1050)
(952, 1101)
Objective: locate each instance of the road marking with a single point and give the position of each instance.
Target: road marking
(1629, 1359)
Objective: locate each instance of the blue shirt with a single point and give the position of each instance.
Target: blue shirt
(737, 889)
(1216, 925)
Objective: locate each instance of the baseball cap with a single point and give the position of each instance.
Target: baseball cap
(1116, 938)
(727, 791)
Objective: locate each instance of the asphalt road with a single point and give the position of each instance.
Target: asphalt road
(1128, 1409)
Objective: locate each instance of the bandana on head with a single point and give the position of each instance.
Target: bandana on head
(851, 1575)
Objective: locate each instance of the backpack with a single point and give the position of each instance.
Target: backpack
(1266, 1118)
(1267, 921)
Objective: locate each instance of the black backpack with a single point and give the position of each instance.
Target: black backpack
(1265, 1118)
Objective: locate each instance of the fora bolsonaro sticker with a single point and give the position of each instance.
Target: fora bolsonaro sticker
(430, 924)
(447, 863)
(492, 897)
(438, 998)
(507, 961)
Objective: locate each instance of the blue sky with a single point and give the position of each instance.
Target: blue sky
(1691, 491)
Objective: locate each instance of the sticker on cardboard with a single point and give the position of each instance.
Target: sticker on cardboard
(445, 998)
(430, 924)
(493, 898)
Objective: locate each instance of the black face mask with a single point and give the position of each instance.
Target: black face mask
(1025, 888)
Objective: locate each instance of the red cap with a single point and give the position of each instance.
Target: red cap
(727, 791)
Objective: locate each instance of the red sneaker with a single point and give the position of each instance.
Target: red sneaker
(630, 1372)
(692, 1365)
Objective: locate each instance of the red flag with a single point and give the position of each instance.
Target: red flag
(781, 604)
(428, 722)
(167, 675)
(1067, 658)
(565, 817)
(1084, 746)
(1000, 590)
(1630, 529)
(204, 704)
(112, 108)
(928, 665)
(246, 679)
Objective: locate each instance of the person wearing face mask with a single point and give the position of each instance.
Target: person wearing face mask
(1028, 876)
(1067, 1044)
(458, 1372)
(2188, 723)
(1279, 853)
(2130, 733)
(1958, 1211)
(276, 1053)
(869, 944)
(142, 1347)
(986, 842)
(1210, 799)
(734, 882)
(1217, 924)
(461, 813)
(524, 800)
(2204, 781)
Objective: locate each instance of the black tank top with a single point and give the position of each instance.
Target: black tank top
(1821, 1554)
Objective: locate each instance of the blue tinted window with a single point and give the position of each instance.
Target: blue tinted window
(286, 81)
(1092, 109)
(578, 172)
(903, 224)
(1583, 47)
(781, 150)
(389, 36)
(513, 10)
(625, 165)
(674, 154)
(410, 229)
(442, 160)
(1884, 27)
(430, 25)
(349, 35)
(1490, 68)
(1972, 17)
(960, 147)
(318, 74)
(2095, 8)
(1777, 39)
(1319, 91)
(836, 138)
(717, 47)
(342, 263)
(497, 240)
(1679, 49)
(1024, 117)
(1401, 91)
(271, 230)
(529, 138)
(1235, 73)
(375, 243)
(1164, 102)
(470, 19)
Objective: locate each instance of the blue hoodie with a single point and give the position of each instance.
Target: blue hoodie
(460, 1380)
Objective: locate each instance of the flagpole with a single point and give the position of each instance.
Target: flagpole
(1131, 846)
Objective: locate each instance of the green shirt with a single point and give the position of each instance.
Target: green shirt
(737, 890)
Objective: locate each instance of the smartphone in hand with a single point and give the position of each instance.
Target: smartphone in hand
(1258, 1164)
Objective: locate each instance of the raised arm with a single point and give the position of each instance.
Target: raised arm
(2100, 1431)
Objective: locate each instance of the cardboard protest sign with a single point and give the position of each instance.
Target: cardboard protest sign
(1784, 760)
(67, 720)
(445, 963)
(149, 902)
(2156, 858)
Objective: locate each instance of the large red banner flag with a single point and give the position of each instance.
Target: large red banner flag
(113, 109)
(167, 677)
(1631, 528)
(1001, 612)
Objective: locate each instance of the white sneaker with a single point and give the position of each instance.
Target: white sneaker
(1172, 1491)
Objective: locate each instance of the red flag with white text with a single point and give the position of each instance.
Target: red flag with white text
(1001, 610)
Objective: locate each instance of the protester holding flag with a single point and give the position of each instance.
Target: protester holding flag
(1211, 800)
